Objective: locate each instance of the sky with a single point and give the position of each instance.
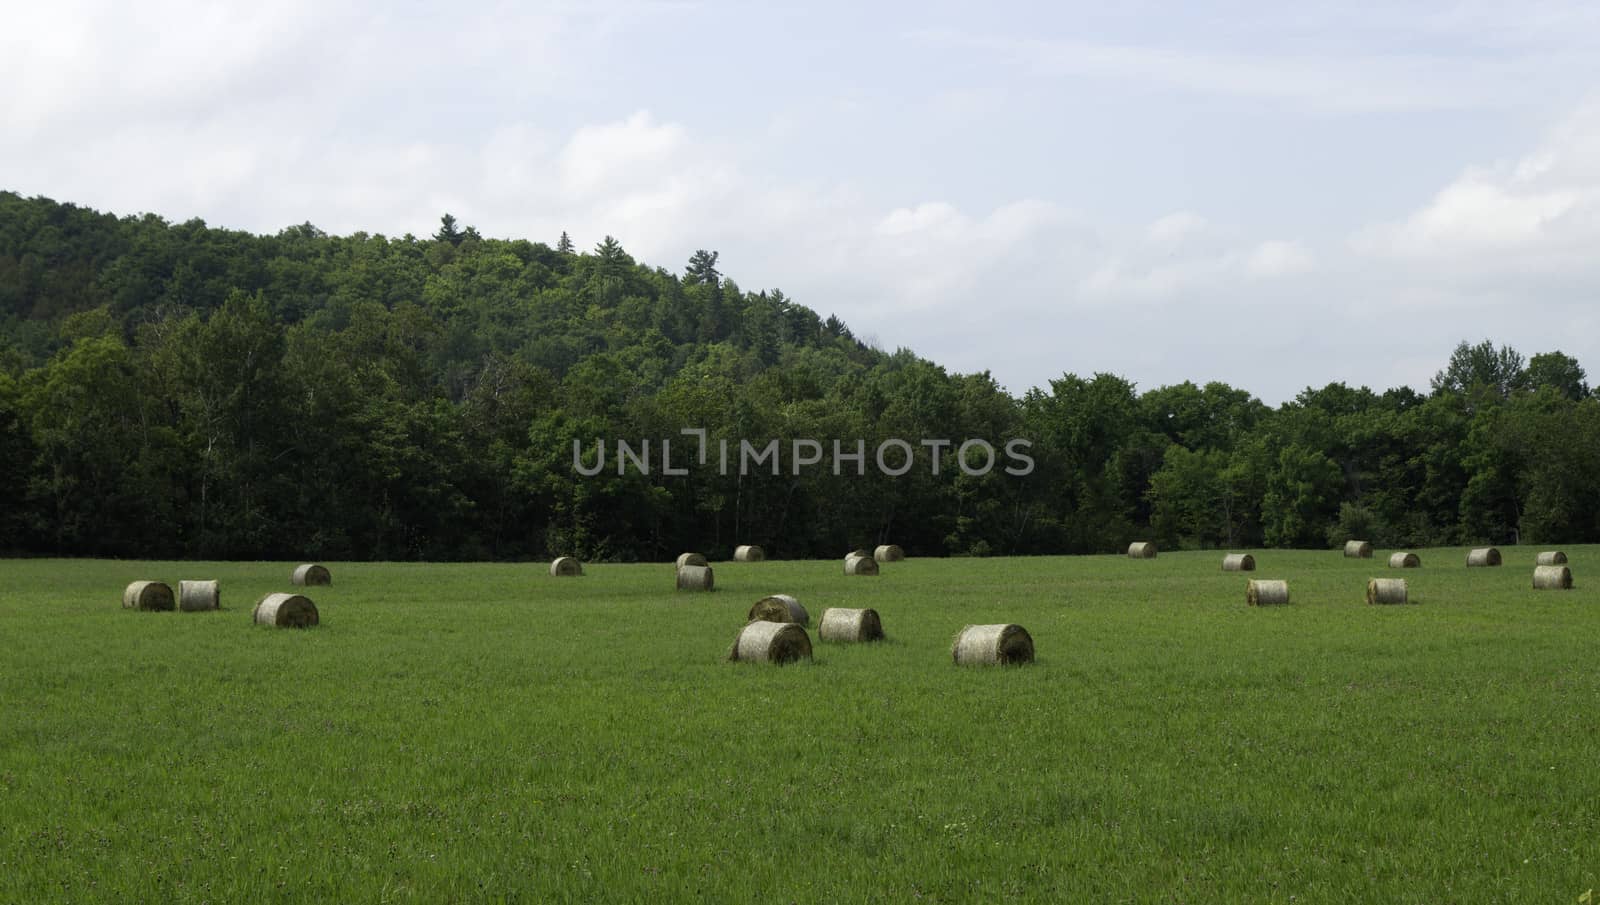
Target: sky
(1271, 195)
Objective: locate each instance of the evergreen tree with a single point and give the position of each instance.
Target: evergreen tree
(564, 244)
(448, 232)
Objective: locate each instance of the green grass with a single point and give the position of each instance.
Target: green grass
(466, 733)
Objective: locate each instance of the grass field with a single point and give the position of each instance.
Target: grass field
(467, 733)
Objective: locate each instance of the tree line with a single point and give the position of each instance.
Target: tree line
(176, 390)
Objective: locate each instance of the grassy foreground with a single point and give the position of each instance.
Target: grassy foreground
(466, 733)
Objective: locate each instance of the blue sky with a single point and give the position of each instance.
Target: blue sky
(1274, 195)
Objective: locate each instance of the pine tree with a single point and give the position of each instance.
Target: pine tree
(564, 244)
(703, 269)
(447, 231)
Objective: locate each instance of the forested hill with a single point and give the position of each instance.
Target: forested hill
(178, 390)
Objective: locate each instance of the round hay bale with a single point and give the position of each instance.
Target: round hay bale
(771, 642)
(749, 553)
(565, 567)
(1238, 562)
(691, 559)
(194, 596)
(888, 553)
(1483, 556)
(779, 608)
(147, 595)
(860, 564)
(982, 645)
(1405, 561)
(1551, 558)
(1357, 549)
(695, 578)
(311, 574)
(846, 625)
(1552, 578)
(286, 611)
(1142, 550)
(1266, 592)
(1386, 590)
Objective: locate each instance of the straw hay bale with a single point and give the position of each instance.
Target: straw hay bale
(565, 567)
(1142, 550)
(888, 553)
(1266, 592)
(779, 608)
(691, 559)
(1552, 578)
(285, 611)
(1387, 590)
(1484, 556)
(771, 642)
(695, 578)
(842, 624)
(860, 564)
(1238, 562)
(1357, 549)
(749, 553)
(979, 645)
(1405, 560)
(194, 596)
(1551, 558)
(147, 595)
(311, 574)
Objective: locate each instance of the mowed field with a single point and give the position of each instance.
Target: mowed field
(467, 733)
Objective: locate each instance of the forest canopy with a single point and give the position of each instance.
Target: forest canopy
(177, 390)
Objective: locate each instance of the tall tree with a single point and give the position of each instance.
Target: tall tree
(448, 231)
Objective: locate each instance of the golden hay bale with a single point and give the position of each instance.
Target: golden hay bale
(888, 553)
(771, 642)
(1266, 592)
(286, 611)
(311, 574)
(695, 578)
(1405, 561)
(691, 559)
(749, 553)
(1238, 562)
(1484, 556)
(1552, 578)
(147, 595)
(981, 645)
(779, 608)
(565, 567)
(194, 596)
(1357, 549)
(1551, 558)
(842, 624)
(1386, 590)
(1142, 550)
(860, 564)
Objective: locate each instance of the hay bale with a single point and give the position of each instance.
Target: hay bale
(695, 578)
(311, 574)
(844, 625)
(1266, 592)
(749, 553)
(1386, 590)
(1238, 562)
(1357, 549)
(691, 559)
(285, 611)
(194, 596)
(147, 595)
(888, 553)
(860, 564)
(771, 642)
(982, 645)
(1551, 558)
(779, 608)
(1405, 561)
(1552, 578)
(1483, 556)
(1142, 550)
(565, 567)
